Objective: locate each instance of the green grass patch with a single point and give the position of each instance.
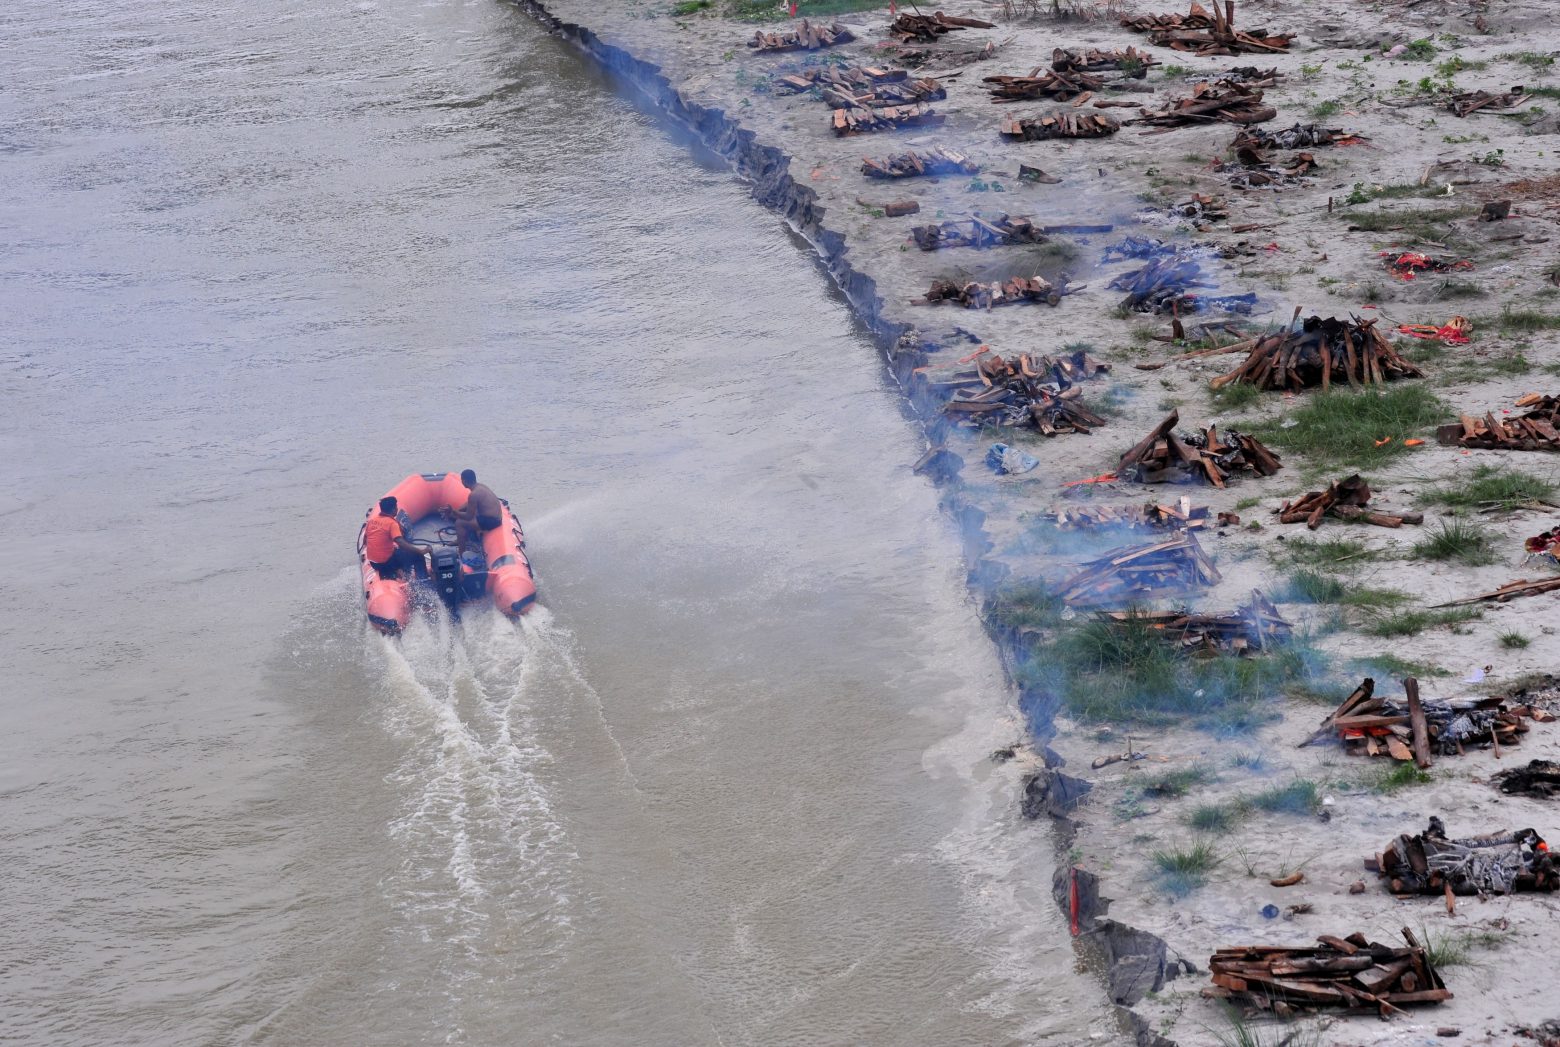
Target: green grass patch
(690, 7)
(1253, 761)
(1457, 539)
(1398, 668)
(1398, 777)
(1421, 223)
(1218, 818)
(1419, 51)
(1182, 871)
(1490, 487)
(1177, 782)
(1237, 396)
(1027, 604)
(1328, 554)
(1341, 427)
(1514, 641)
(1308, 586)
(1301, 796)
(1525, 320)
(1412, 623)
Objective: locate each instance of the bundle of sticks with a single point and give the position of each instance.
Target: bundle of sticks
(863, 87)
(1411, 728)
(977, 232)
(1043, 84)
(1352, 973)
(1203, 33)
(856, 121)
(1197, 18)
(1501, 862)
(927, 28)
(1318, 352)
(1467, 102)
(1129, 576)
(1167, 284)
(977, 295)
(1207, 457)
(1254, 626)
(1300, 136)
(933, 162)
(1131, 61)
(1537, 429)
(1148, 516)
(1223, 100)
(1024, 391)
(1253, 169)
(805, 37)
(1062, 123)
(1509, 591)
(1344, 499)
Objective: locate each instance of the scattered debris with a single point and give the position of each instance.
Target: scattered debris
(1254, 626)
(1406, 265)
(1344, 499)
(1133, 575)
(1202, 211)
(1131, 61)
(932, 162)
(1319, 352)
(1249, 75)
(1224, 100)
(1352, 973)
(1004, 460)
(1162, 457)
(1063, 123)
(1061, 87)
(1202, 33)
(1456, 331)
(1540, 778)
(1497, 863)
(1253, 169)
(1035, 175)
(856, 121)
(1300, 136)
(805, 37)
(1509, 591)
(927, 28)
(1024, 391)
(1148, 516)
(1544, 547)
(1466, 102)
(1534, 430)
(977, 295)
(1495, 211)
(858, 87)
(1376, 726)
(977, 232)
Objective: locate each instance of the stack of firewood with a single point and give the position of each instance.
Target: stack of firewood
(977, 295)
(1501, 862)
(1254, 626)
(1472, 101)
(977, 232)
(1345, 499)
(934, 161)
(1023, 391)
(805, 37)
(1320, 352)
(1353, 973)
(859, 87)
(1125, 577)
(1131, 61)
(1300, 136)
(1063, 123)
(1203, 33)
(1538, 429)
(1410, 728)
(927, 28)
(1224, 100)
(1043, 84)
(856, 121)
(1208, 457)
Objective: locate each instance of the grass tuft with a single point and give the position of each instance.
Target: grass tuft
(1301, 796)
(1400, 776)
(1412, 623)
(1183, 871)
(1514, 641)
(1178, 782)
(1218, 818)
(1342, 428)
(1458, 540)
(1491, 487)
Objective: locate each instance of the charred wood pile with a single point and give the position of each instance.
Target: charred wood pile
(1224, 100)
(1061, 87)
(1539, 779)
(933, 162)
(1252, 627)
(1345, 499)
(1202, 32)
(1467, 102)
(1024, 391)
(1496, 863)
(1134, 575)
(927, 28)
(1000, 231)
(1205, 458)
(1411, 728)
(1150, 516)
(855, 121)
(1131, 61)
(1254, 169)
(1300, 136)
(977, 295)
(859, 87)
(1168, 285)
(1353, 973)
(1534, 430)
(1319, 353)
(1202, 211)
(1249, 76)
(1062, 123)
(805, 37)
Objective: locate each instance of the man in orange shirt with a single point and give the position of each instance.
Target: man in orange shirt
(388, 551)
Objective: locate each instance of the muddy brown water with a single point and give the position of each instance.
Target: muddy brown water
(728, 787)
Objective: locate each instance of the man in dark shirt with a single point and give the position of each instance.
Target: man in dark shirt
(482, 513)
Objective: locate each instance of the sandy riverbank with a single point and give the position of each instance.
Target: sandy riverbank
(1336, 75)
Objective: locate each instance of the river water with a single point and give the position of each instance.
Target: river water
(729, 786)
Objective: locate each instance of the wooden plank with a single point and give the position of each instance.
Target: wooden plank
(1416, 715)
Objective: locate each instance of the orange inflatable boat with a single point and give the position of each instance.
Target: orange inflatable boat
(501, 570)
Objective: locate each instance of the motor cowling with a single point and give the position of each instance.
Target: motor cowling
(447, 577)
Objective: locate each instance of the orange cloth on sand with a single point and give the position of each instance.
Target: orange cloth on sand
(379, 536)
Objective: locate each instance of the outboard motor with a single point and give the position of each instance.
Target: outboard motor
(447, 580)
